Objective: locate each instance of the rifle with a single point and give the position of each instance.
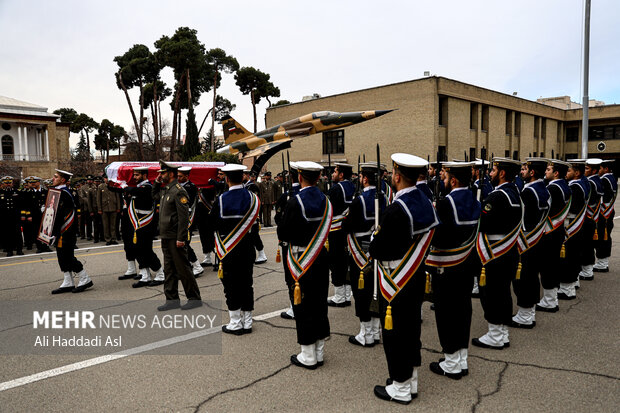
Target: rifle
(483, 172)
(437, 179)
(374, 304)
(358, 184)
(329, 172)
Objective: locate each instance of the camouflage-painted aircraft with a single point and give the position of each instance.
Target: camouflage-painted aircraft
(238, 139)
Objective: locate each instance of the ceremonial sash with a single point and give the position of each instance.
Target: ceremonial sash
(575, 225)
(450, 257)
(67, 221)
(389, 194)
(489, 252)
(337, 221)
(298, 267)
(358, 254)
(223, 247)
(202, 199)
(392, 283)
(608, 207)
(592, 212)
(556, 221)
(136, 221)
(192, 214)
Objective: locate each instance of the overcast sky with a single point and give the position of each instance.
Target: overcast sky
(60, 53)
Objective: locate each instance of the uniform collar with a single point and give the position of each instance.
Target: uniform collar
(404, 191)
(368, 188)
(532, 183)
(232, 188)
(146, 181)
(61, 186)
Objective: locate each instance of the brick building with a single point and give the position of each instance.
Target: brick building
(32, 140)
(436, 114)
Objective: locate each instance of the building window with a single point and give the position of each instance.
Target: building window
(572, 134)
(536, 126)
(517, 124)
(6, 126)
(441, 153)
(485, 117)
(508, 122)
(443, 111)
(7, 145)
(515, 155)
(472, 154)
(507, 153)
(559, 132)
(473, 116)
(604, 132)
(333, 142)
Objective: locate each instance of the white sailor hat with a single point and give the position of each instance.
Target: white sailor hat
(505, 161)
(594, 161)
(456, 165)
(479, 162)
(308, 166)
(576, 161)
(343, 166)
(372, 166)
(293, 165)
(167, 167)
(185, 169)
(65, 174)
(408, 161)
(233, 167)
(536, 161)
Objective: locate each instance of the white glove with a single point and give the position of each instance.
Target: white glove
(123, 184)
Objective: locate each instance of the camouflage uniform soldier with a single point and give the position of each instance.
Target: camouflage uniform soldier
(108, 205)
(267, 197)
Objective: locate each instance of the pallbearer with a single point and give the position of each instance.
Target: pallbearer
(500, 225)
(192, 192)
(65, 233)
(340, 196)
(570, 263)
(452, 273)
(400, 245)
(592, 215)
(555, 234)
(606, 222)
(232, 217)
(305, 227)
(481, 187)
(358, 226)
(536, 203)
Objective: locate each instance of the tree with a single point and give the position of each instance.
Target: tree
(223, 107)
(255, 83)
(209, 142)
(68, 115)
(137, 67)
(81, 153)
(216, 157)
(191, 147)
(79, 123)
(108, 137)
(154, 93)
(221, 62)
(281, 103)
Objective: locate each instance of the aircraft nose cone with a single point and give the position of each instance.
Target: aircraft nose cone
(382, 112)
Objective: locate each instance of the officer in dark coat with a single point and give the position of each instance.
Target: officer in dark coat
(452, 273)
(305, 227)
(399, 246)
(606, 221)
(10, 211)
(173, 223)
(500, 224)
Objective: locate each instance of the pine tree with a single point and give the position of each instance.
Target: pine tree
(191, 147)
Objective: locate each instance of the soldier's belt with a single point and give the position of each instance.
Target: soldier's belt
(496, 237)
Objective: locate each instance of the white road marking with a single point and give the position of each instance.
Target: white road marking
(22, 381)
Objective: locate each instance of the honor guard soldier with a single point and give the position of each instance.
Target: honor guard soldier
(268, 197)
(97, 219)
(422, 185)
(592, 215)
(192, 192)
(399, 246)
(127, 230)
(451, 269)
(570, 264)
(142, 230)
(84, 203)
(232, 217)
(173, 223)
(481, 184)
(606, 220)
(358, 225)
(206, 197)
(38, 206)
(560, 195)
(26, 201)
(64, 234)
(500, 226)
(108, 205)
(536, 202)
(9, 210)
(340, 196)
(305, 227)
(249, 183)
(280, 208)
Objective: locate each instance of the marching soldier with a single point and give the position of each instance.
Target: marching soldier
(127, 230)
(249, 183)
(500, 225)
(9, 210)
(141, 231)
(108, 205)
(232, 217)
(560, 195)
(64, 234)
(305, 227)
(481, 188)
(173, 223)
(592, 215)
(268, 197)
(358, 226)
(88, 207)
(25, 206)
(39, 196)
(399, 246)
(536, 202)
(340, 196)
(206, 197)
(192, 192)
(606, 222)
(451, 269)
(570, 264)
(280, 208)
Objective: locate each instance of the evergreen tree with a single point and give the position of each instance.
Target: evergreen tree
(191, 147)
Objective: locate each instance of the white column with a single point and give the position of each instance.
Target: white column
(27, 155)
(47, 146)
(18, 152)
(38, 142)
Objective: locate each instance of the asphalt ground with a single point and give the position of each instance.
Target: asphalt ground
(568, 362)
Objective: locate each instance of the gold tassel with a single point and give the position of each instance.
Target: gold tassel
(135, 237)
(605, 237)
(278, 256)
(595, 237)
(220, 271)
(427, 288)
(327, 245)
(297, 294)
(188, 236)
(563, 252)
(483, 278)
(360, 282)
(518, 277)
(388, 318)
(60, 242)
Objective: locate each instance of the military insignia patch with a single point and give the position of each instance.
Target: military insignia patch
(184, 200)
(487, 207)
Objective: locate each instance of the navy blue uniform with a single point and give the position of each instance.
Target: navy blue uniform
(341, 196)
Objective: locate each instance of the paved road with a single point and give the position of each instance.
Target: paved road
(569, 362)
